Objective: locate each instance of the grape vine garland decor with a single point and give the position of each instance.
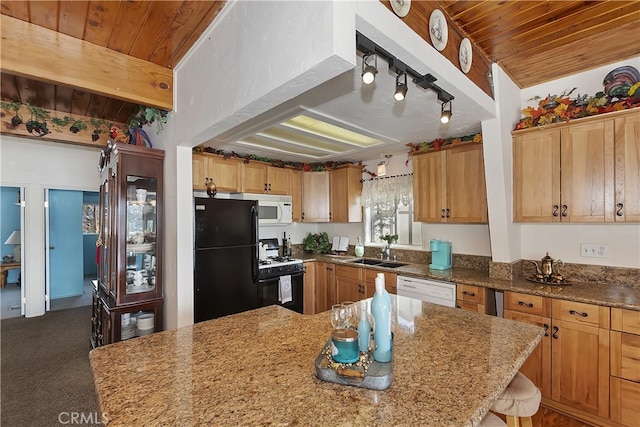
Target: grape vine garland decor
(40, 119)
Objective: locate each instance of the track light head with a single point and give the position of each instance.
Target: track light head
(369, 71)
(401, 88)
(445, 115)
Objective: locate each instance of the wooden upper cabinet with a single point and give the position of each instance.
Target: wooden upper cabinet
(586, 162)
(536, 176)
(466, 190)
(278, 180)
(315, 196)
(261, 178)
(429, 186)
(585, 171)
(449, 185)
(627, 165)
(295, 189)
(345, 192)
(224, 173)
(254, 178)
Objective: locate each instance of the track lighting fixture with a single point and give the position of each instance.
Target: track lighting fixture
(424, 81)
(369, 71)
(445, 115)
(401, 88)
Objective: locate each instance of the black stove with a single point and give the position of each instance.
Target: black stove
(278, 266)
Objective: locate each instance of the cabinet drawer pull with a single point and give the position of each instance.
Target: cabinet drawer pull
(577, 313)
(619, 207)
(546, 329)
(525, 304)
(564, 210)
(555, 210)
(471, 294)
(555, 333)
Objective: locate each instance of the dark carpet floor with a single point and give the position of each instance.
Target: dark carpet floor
(45, 373)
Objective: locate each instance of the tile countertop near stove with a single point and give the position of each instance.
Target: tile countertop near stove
(257, 368)
(597, 292)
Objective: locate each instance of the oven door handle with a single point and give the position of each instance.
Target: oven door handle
(293, 275)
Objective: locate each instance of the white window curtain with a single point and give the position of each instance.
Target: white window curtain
(388, 191)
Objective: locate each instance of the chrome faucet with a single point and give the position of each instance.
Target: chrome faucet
(386, 252)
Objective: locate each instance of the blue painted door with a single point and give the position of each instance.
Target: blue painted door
(65, 244)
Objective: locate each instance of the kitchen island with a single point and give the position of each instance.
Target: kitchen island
(257, 368)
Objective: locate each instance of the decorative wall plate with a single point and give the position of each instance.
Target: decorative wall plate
(438, 30)
(401, 7)
(465, 55)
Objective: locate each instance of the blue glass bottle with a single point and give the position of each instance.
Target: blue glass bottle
(381, 312)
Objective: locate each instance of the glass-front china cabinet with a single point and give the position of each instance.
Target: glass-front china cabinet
(128, 300)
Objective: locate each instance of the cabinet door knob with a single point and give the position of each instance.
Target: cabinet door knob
(555, 210)
(619, 207)
(564, 210)
(546, 329)
(555, 333)
(447, 212)
(442, 214)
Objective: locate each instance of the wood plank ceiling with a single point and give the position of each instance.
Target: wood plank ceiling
(534, 41)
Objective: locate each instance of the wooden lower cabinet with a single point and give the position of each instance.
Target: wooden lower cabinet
(325, 290)
(309, 302)
(571, 363)
(476, 298)
(624, 382)
(390, 281)
(349, 283)
(538, 366)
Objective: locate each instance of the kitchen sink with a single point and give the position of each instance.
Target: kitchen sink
(390, 264)
(367, 261)
(377, 263)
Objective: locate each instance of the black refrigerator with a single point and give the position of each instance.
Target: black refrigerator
(225, 257)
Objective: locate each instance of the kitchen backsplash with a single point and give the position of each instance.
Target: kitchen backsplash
(520, 269)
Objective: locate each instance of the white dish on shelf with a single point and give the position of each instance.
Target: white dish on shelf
(140, 247)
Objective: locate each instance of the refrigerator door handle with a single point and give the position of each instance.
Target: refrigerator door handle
(254, 230)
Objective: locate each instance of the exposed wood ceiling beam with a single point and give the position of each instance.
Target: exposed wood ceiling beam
(45, 55)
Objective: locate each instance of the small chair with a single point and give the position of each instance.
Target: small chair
(519, 402)
(491, 420)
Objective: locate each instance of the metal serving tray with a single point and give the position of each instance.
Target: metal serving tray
(377, 375)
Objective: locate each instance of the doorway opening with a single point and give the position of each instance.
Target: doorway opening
(11, 236)
(70, 256)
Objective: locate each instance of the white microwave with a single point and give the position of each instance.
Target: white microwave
(272, 209)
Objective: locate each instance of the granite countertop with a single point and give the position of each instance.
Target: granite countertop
(257, 368)
(598, 293)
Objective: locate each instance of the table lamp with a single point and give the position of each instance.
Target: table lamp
(14, 239)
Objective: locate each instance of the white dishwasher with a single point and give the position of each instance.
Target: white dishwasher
(433, 291)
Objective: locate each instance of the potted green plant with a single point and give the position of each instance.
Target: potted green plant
(316, 243)
(389, 238)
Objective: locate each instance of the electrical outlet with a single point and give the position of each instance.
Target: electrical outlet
(593, 250)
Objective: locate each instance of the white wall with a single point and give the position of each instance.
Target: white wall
(563, 240)
(37, 165)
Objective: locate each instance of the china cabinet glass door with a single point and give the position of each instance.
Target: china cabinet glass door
(141, 223)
